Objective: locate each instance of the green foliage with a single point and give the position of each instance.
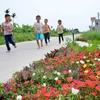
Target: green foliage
(90, 35)
(76, 30)
(93, 45)
(72, 97)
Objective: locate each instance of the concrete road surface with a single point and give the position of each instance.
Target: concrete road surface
(25, 53)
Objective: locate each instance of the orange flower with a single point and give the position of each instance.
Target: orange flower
(98, 72)
(59, 81)
(65, 72)
(28, 96)
(38, 94)
(39, 86)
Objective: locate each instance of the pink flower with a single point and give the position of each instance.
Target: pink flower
(28, 73)
(26, 82)
(94, 93)
(51, 67)
(98, 88)
(64, 86)
(69, 79)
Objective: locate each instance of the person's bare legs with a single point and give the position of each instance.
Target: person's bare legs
(38, 44)
(41, 43)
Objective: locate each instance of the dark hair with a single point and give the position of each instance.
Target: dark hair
(59, 21)
(38, 16)
(46, 19)
(7, 15)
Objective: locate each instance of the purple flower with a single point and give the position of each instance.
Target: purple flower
(21, 73)
(5, 84)
(34, 65)
(43, 72)
(28, 73)
(8, 88)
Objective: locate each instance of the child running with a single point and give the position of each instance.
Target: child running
(46, 30)
(38, 26)
(8, 28)
(60, 29)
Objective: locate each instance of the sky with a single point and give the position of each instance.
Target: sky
(73, 13)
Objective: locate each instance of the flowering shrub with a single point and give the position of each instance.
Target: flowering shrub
(63, 75)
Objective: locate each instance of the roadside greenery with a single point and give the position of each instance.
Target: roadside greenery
(90, 35)
(69, 73)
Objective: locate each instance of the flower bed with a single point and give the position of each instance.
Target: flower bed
(63, 75)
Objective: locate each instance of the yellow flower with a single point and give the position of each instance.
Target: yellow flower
(85, 65)
(88, 61)
(86, 71)
(91, 64)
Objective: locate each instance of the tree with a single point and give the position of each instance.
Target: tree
(13, 16)
(7, 11)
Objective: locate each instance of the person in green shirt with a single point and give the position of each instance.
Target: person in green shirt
(60, 29)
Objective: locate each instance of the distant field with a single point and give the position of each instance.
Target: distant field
(90, 35)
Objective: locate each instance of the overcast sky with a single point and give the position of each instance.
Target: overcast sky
(73, 13)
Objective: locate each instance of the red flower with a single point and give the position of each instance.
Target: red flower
(69, 79)
(44, 89)
(31, 81)
(28, 96)
(26, 82)
(48, 94)
(92, 77)
(52, 89)
(64, 86)
(38, 94)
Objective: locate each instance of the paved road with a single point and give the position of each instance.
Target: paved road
(24, 54)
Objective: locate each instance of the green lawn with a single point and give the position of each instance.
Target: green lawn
(21, 37)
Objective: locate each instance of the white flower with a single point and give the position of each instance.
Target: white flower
(69, 71)
(99, 46)
(33, 74)
(44, 84)
(44, 77)
(56, 78)
(93, 64)
(58, 73)
(82, 62)
(75, 91)
(98, 59)
(77, 62)
(90, 45)
(55, 72)
(97, 76)
(84, 57)
(19, 97)
(95, 58)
